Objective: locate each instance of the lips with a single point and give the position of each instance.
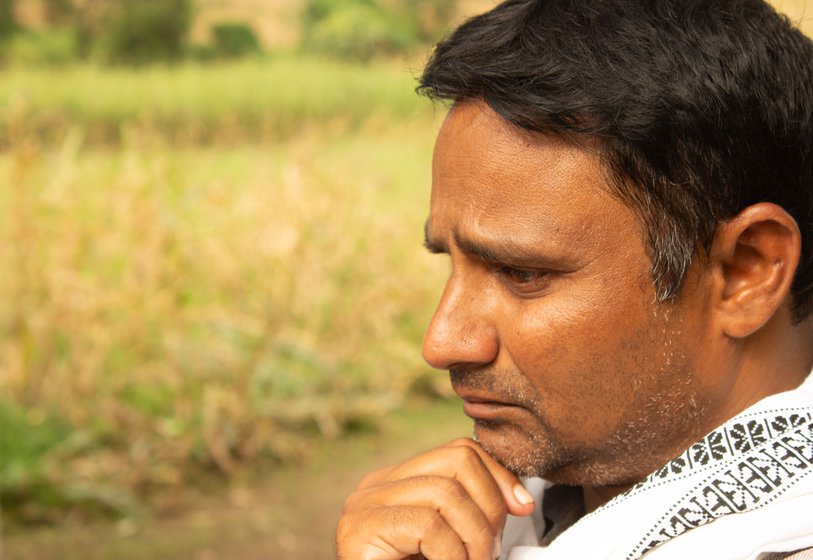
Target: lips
(487, 393)
(480, 408)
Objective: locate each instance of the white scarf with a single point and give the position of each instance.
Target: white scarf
(743, 490)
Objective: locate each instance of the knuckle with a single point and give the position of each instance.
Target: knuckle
(342, 529)
(344, 534)
(356, 504)
(485, 539)
(350, 503)
(371, 478)
(434, 523)
(351, 509)
(461, 442)
(468, 456)
(450, 487)
(356, 529)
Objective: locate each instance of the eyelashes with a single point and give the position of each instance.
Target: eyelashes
(523, 281)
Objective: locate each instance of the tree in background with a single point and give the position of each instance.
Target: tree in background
(430, 18)
(7, 23)
(115, 31)
(363, 29)
(58, 13)
(133, 32)
(142, 31)
(231, 40)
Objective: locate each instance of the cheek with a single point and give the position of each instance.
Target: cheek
(564, 329)
(583, 360)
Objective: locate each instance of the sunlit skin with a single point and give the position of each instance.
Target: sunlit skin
(549, 323)
(552, 334)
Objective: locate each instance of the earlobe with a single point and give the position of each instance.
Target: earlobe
(755, 254)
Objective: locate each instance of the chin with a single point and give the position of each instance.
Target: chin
(523, 454)
(535, 455)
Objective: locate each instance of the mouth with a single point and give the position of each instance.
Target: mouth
(478, 408)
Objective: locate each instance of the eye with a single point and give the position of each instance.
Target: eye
(523, 280)
(520, 275)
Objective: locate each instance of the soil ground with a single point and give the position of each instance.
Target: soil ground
(289, 514)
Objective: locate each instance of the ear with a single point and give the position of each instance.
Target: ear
(755, 255)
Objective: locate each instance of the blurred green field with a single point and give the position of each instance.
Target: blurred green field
(266, 99)
(178, 306)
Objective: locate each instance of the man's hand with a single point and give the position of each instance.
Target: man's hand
(446, 504)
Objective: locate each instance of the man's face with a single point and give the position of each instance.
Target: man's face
(548, 323)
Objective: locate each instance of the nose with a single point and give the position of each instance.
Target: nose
(460, 332)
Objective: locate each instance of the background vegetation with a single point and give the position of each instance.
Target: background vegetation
(210, 226)
(177, 305)
(212, 262)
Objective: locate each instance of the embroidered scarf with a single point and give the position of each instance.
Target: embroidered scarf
(744, 489)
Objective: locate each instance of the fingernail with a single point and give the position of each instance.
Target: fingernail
(497, 546)
(522, 495)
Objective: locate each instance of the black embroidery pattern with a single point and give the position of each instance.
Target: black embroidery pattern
(768, 456)
(727, 442)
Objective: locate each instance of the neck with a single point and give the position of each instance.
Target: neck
(778, 358)
(596, 496)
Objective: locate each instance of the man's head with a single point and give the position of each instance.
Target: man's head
(624, 188)
(699, 108)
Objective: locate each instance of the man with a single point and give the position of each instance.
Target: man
(625, 191)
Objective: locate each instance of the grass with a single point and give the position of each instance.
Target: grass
(290, 512)
(263, 98)
(178, 308)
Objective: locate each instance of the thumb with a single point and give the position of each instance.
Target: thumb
(521, 502)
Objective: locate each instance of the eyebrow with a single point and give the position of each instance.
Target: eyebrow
(498, 251)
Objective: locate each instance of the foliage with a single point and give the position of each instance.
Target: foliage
(358, 30)
(124, 31)
(7, 24)
(59, 13)
(253, 99)
(25, 437)
(48, 48)
(431, 18)
(142, 31)
(234, 40)
(363, 29)
(185, 309)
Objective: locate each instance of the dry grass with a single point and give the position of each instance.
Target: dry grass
(177, 309)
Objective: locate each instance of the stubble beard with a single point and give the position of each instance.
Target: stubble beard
(653, 430)
(648, 437)
(525, 451)
(538, 454)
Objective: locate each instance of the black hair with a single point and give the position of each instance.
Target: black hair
(701, 107)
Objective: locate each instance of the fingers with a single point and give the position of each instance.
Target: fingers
(445, 496)
(496, 489)
(448, 501)
(517, 499)
(463, 464)
(394, 533)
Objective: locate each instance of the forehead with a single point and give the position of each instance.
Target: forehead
(489, 177)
